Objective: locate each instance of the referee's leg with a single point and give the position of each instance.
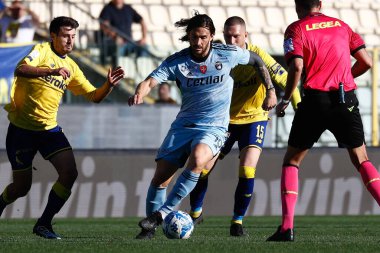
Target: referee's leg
(368, 172)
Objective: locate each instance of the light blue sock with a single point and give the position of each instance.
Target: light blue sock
(154, 199)
(184, 185)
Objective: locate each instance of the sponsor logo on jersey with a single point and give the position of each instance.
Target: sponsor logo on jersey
(218, 65)
(288, 45)
(194, 82)
(251, 82)
(60, 84)
(203, 69)
(322, 25)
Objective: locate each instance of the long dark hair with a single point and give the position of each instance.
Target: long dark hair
(198, 20)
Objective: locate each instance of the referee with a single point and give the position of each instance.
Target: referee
(317, 50)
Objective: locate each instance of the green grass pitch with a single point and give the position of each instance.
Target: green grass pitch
(313, 234)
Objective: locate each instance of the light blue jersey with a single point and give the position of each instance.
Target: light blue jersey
(206, 86)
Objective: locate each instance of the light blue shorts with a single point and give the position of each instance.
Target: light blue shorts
(180, 141)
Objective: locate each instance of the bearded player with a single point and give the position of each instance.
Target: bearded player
(248, 122)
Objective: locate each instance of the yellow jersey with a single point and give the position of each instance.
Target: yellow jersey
(250, 91)
(35, 101)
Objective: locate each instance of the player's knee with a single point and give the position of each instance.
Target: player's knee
(23, 189)
(247, 172)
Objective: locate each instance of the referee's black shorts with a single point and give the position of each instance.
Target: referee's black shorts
(320, 111)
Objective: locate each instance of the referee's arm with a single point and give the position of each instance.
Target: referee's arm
(294, 76)
(362, 64)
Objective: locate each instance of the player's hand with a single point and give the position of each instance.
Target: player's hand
(135, 100)
(280, 109)
(270, 100)
(114, 76)
(64, 72)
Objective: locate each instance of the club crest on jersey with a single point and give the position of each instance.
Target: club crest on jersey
(218, 65)
(203, 69)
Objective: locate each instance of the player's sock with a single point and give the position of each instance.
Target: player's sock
(155, 199)
(57, 198)
(184, 185)
(198, 194)
(371, 179)
(289, 193)
(4, 200)
(243, 193)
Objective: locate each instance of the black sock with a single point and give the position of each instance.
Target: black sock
(55, 203)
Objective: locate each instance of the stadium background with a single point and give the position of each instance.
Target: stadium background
(115, 145)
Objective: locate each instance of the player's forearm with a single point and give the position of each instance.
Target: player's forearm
(102, 92)
(144, 88)
(359, 68)
(363, 63)
(258, 63)
(25, 70)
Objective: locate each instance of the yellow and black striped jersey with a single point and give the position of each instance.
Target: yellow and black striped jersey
(35, 101)
(250, 91)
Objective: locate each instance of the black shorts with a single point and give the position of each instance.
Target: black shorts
(320, 111)
(22, 145)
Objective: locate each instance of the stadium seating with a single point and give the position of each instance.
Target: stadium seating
(269, 17)
(266, 19)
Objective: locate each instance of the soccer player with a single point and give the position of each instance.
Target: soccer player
(317, 49)
(40, 80)
(202, 72)
(248, 122)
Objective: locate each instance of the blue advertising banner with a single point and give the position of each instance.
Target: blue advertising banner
(10, 55)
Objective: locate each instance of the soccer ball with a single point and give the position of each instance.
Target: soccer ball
(177, 225)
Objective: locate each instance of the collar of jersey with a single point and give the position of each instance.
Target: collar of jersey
(201, 59)
(313, 14)
(52, 49)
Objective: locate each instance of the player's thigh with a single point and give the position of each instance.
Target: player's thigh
(251, 141)
(233, 135)
(21, 145)
(164, 173)
(55, 147)
(205, 146)
(200, 155)
(64, 162)
(347, 127)
(176, 146)
(308, 124)
(53, 142)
